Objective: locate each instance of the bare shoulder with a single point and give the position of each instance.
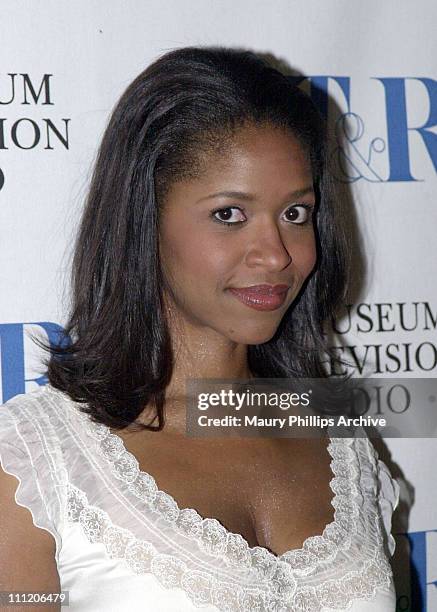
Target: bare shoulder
(24, 547)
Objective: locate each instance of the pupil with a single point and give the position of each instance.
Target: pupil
(226, 214)
(292, 213)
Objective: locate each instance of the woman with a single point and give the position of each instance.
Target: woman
(209, 248)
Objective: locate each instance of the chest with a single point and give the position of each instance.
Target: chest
(275, 493)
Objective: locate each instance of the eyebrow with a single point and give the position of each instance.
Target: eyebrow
(248, 197)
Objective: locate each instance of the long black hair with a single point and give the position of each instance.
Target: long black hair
(116, 353)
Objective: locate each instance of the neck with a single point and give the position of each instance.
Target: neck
(205, 354)
(202, 353)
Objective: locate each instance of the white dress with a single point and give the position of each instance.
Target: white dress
(123, 545)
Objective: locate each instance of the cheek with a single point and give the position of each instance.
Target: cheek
(199, 260)
(304, 254)
(311, 256)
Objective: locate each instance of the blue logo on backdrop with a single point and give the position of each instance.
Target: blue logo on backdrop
(13, 364)
(420, 586)
(355, 159)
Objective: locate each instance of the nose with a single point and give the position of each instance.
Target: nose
(267, 249)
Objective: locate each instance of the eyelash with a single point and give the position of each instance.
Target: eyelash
(308, 208)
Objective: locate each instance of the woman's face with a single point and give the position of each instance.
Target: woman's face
(245, 222)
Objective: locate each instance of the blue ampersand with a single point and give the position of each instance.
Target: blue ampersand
(351, 163)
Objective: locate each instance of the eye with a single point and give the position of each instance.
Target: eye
(231, 215)
(298, 214)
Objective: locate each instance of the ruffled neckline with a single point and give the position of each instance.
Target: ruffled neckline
(212, 537)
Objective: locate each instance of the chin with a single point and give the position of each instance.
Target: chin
(257, 335)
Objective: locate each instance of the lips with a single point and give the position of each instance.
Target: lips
(264, 289)
(261, 297)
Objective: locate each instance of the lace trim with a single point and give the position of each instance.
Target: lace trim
(280, 595)
(214, 539)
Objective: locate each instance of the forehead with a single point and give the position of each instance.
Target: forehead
(265, 161)
(262, 155)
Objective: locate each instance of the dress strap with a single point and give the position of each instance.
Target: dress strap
(30, 450)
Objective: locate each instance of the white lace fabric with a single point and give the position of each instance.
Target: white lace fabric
(77, 477)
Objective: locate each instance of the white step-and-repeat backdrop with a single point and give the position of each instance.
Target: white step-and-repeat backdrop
(370, 65)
